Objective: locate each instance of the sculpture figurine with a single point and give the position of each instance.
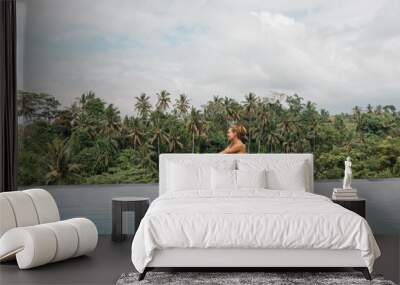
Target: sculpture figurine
(347, 174)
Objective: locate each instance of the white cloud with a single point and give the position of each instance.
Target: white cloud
(335, 53)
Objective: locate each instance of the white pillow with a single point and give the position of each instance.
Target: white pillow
(251, 178)
(183, 178)
(281, 175)
(223, 179)
(291, 178)
(188, 175)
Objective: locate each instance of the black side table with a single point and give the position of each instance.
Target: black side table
(357, 205)
(139, 205)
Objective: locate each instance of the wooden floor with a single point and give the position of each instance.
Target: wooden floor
(111, 259)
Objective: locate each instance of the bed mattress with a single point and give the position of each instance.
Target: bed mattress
(250, 219)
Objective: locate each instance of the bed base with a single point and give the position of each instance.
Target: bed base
(363, 270)
(251, 259)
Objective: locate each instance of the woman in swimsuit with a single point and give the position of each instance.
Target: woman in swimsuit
(235, 135)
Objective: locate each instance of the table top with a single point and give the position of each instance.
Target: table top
(130, 199)
(349, 200)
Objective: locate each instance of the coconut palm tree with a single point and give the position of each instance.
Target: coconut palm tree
(273, 139)
(135, 132)
(262, 121)
(359, 120)
(60, 167)
(163, 101)
(182, 105)
(250, 105)
(146, 155)
(232, 109)
(85, 123)
(216, 100)
(295, 104)
(112, 124)
(174, 140)
(214, 111)
(85, 98)
(258, 135)
(194, 124)
(158, 130)
(105, 148)
(143, 106)
(288, 129)
(26, 105)
(250, 102)
(310, 118)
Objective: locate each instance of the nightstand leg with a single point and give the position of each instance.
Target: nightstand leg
(117, 222)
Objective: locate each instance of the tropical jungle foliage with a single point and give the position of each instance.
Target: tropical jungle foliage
(89, 142)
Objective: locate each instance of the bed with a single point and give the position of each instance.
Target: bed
(247, 211)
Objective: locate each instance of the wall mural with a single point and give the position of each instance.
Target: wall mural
(103, 93)
(89, 142)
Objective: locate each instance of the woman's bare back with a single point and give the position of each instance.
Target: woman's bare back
(237, 147)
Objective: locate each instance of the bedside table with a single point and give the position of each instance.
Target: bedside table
(139, 205)
(357, 205)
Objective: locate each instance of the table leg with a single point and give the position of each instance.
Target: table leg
(117, 222)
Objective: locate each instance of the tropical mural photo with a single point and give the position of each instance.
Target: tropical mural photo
(105, 86)
(90, 142)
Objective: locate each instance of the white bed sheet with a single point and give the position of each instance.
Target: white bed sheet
(252, 218)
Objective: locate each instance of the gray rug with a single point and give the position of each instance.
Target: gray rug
(269, 278)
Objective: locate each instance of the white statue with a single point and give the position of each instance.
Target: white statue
(347, 174)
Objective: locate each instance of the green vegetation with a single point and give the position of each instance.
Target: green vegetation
(89, 142)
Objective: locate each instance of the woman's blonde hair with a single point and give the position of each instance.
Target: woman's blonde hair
(239, 130)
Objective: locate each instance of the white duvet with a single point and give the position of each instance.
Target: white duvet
(250, 219)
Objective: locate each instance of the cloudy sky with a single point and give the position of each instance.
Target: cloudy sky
(335, 53)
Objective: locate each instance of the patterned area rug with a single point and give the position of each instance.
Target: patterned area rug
(269, 278)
